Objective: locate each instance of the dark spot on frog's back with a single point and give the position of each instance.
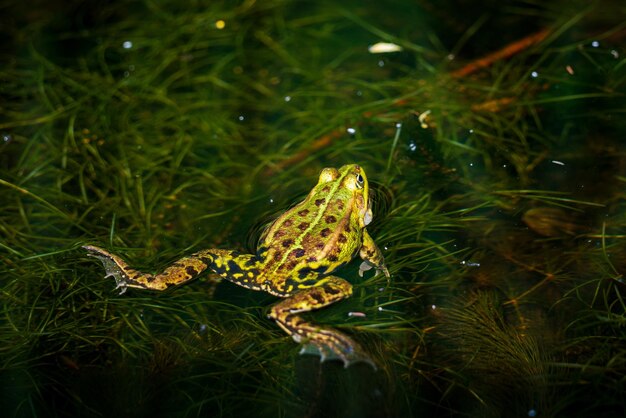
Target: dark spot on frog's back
(339, 204)
(303, 212)
(326, 189)
(342, 239)
(303, 226)
(305, 271)
(191, 271)
(298, 252)
(288, 222)
(288, 242)
(319, 202)
(330, 219)
(325, 232)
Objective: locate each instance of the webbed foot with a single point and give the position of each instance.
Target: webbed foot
(367, 265)
(113, 266)
(349, 354)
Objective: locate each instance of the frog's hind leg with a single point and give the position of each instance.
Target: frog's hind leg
(228, 264)
(326, 342)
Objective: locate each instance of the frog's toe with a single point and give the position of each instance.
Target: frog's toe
(383, 268)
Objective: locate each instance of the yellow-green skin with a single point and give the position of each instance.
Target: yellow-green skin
(294, 260)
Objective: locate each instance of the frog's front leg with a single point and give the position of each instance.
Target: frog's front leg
(240, 269)
(371, 255)
(327, 342)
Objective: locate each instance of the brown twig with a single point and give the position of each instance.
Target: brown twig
(319, 143)
(506, 52)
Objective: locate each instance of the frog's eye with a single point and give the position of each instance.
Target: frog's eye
(359, 181)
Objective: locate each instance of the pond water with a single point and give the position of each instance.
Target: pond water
(491, 135)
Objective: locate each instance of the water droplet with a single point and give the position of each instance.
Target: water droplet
(241, 117)
(412, 146)
(287, 98)
(127, 45)
(534, 74)
(381, 63)
(351, 131)
(595, 44)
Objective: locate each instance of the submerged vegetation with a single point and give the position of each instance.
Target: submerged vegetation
(493, 140)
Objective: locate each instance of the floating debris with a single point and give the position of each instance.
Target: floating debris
(384, 48)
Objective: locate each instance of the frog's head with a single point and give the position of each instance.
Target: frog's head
(353, 181)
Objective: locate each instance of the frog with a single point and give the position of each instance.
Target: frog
(296, 258)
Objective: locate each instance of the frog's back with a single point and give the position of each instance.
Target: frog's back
(317, 235)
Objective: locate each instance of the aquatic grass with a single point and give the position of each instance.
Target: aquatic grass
(163, 148)
(485, 346)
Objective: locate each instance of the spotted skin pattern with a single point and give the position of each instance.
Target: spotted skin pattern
(295, 260)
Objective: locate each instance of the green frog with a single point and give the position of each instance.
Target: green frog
(295, 260)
